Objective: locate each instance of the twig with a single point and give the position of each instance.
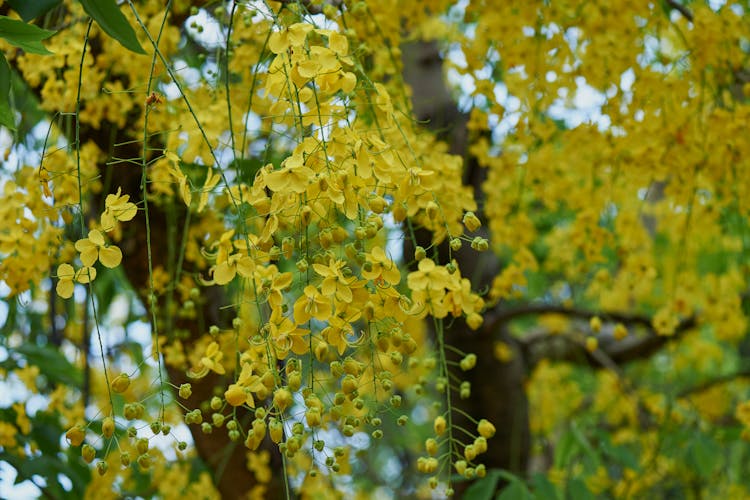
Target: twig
(310, 7)
(674, 4)
(707, 384)
(616, 352)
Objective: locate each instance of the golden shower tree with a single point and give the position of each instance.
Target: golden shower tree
(327, 248)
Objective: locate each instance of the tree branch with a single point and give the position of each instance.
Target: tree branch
(616, 351)
(310, 7)
(708, 384)
(675, 5)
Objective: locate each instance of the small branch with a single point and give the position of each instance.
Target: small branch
(708, 384)
(674, 4)
(612, 352)
(310, 7)
(499, 316)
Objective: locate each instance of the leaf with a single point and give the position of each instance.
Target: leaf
(24, 36)
(109, 17)
(483, 489)
(543, 488)
(585, 444)
(704, 455)
(52, 364)
(6, 114)
(619, 454)
(29, 10)
(514, 491)
(565, 449)
(577, 489)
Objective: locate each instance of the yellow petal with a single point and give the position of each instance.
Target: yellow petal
(246, 267)
(65, 288)
(282, 281)
(297, 34)
(278, 179)
(185, 193)
(108, 221)
(278, 42)
(96, 237)
(126, 211)
(338, 43)
(348, 82)
(110, 256)
(89, 255)
(224, 273)
(86, 275)
(235, 395)
(65, 271)
(308, 69)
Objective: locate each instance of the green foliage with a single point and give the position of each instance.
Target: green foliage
(32, 9)
(108, 16)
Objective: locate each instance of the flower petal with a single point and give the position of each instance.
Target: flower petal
(110, 256)
(65, 288)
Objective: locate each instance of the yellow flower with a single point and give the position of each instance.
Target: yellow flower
(286, 336)
(335, 281)
(7, 435)
(381, 268)
(117, 208)
(429, 277)
(211, 181)
(294, 176)
(336, 332)
(664, 321)
(94, 247)
(338, 43)
(241, 391)
(22, 420)
(65, 276)
(85, 275)
(274, 283)
(210, 361)
(311, 304)
(292, 36)
(225, 272)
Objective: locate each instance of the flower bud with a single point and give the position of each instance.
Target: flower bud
(471, 221)
(121, 383)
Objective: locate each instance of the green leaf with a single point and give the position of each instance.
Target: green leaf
(577, 489)
(584, 443)
(29, 10)
(483, 489)
(515, 491)
(619, 454)
(704, 455)
(543, 487)
(109, 17)
(24, 36)
(52, 364)
(6, 114)
(565, 449)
